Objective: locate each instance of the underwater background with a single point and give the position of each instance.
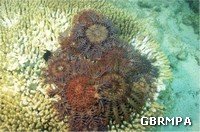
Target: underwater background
(30, 28)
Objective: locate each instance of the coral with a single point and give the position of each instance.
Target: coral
(27, 111)
(30, 28)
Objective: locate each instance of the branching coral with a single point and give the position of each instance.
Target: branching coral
(26, 34)
(27, 111)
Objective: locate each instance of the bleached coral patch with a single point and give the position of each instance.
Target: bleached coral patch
(148, 47)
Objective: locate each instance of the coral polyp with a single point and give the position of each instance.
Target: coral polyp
(105, 81)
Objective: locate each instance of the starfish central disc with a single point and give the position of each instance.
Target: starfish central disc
(59, 68)
(113, 87)
(80, 94)
(97, 33)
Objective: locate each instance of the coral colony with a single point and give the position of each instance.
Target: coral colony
(99, 79)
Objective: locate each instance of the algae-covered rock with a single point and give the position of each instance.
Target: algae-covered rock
(192, 20)
(194, 5)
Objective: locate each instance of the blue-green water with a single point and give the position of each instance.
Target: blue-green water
(176, 25)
